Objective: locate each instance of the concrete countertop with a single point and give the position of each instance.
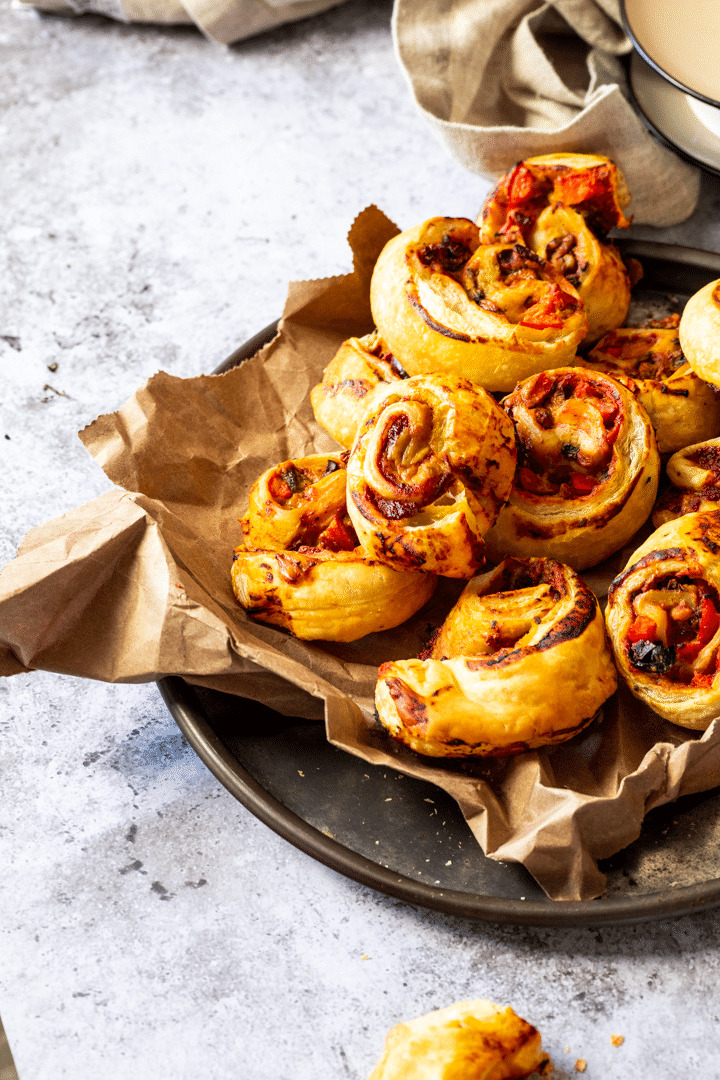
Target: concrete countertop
(157, 193)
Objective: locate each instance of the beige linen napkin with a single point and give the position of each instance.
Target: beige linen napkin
(222, 20)
(503, 80)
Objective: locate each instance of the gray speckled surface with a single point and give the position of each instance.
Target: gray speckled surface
(157, 193)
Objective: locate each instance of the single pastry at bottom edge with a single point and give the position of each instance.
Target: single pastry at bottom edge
(521, 661)
(663, 617)
(470, 1040)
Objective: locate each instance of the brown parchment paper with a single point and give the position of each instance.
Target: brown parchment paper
(136, 585)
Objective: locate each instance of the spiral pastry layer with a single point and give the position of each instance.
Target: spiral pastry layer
(663, 617)
(562, 206)
(431, 467)
(300, 566)
(360, 368)
(587, 472)
(492, 313)
(648, 360)
(520, 662)
(694, 475)
(700, 332)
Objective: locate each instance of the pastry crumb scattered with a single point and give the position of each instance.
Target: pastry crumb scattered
(617, 1040)
(580, 1065)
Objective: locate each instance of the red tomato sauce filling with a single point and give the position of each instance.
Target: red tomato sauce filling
(566, 429)
(325, 528)
(591, 192)
(674, 632)
(645, 354)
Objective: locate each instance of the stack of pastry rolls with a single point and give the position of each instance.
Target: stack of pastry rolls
(501, 414)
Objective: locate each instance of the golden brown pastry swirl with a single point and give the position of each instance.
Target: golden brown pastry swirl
(300, 567)
(360, 369)
(663, 617)
(431, 467)
(521, 661)
(493, 313)
(700, 332)
(648, 360)
(694, 475)
(562, 206)
(587, 471)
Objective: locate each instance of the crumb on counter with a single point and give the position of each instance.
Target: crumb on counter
(580, 1065)
(617, 1040)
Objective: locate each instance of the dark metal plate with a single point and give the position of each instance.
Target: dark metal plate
(407, 838)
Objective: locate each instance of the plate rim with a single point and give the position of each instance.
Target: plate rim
(183, 704)
(662, 137)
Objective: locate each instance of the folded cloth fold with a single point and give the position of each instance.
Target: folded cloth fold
(223, 21)
(503, 80)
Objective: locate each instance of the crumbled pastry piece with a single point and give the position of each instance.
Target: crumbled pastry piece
(471, 1040)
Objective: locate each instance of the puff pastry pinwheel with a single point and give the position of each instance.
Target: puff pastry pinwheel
(360, 368)
(649, 361)
(470, 1040)
(700, 332)
(432, 465)
(493, 313)
(562, 206)
(694, 475)
(663, 617)
(300, 567)
(521, 661)
(587, 471)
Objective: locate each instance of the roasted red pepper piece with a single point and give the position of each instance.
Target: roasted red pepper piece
(581, 484)
(522, 187)
(338, 536)
(544, 314)
(642, 629)
(709, 621)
